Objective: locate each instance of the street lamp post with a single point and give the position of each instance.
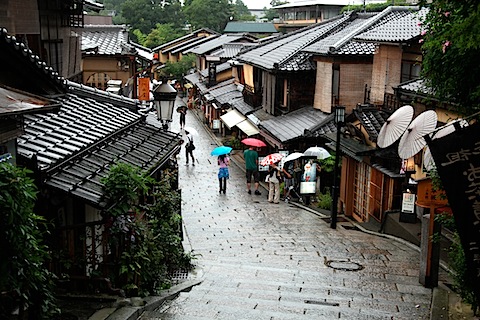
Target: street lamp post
(339, 121)
(164, 97)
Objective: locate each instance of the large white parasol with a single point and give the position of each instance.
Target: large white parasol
(412, 140)
(395, 126)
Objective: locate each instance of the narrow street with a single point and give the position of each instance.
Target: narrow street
(259, 260)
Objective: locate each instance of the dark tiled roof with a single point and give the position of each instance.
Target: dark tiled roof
(140, 145)
(350, 146)
(398, 24)
(193, 78)
(341, 35)
(35, 76)
(258, 116)
(143, 52)
(219, 67)
(226, 89)
(251, 27)
(110, 39)
(102, 95)
(292, 125)
(220, 88)
(243, 107)
(80, 123)
(281, 52)
(216, 43)
(372, 120)
(325, 126)
(187, 45)
(230, 50)
(229, 96)
(417, 86)
(187, 37)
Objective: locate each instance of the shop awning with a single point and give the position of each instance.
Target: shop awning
(232, 118)
(247, 127)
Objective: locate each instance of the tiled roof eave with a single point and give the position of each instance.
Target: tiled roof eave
(95, 145)
(84, 182)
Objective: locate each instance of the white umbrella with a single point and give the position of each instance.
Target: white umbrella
(292, 156)
(412, 140)
(319, 152)
(191, 130)
(395, 126)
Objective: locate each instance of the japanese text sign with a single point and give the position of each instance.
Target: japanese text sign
(457, 158)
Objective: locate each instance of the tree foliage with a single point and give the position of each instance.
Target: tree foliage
(241, 12)
(178, 69)
(271, 13)
(213, 14)
(146, 14)
(451, 48)
(24, 280)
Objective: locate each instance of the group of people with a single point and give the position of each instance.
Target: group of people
(275, 175)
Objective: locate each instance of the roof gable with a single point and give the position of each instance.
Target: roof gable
(216, 43)
(110, 40)
(34, 76)
(293, 124)
(271, 55)
(250, 27)
(203, 32)
(399, 24)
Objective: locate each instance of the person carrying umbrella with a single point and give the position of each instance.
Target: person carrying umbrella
(223, 174)
(251, 167)
(274, 179)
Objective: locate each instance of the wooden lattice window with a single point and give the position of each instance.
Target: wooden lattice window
(361, 191)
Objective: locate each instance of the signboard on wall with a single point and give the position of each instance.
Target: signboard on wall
(457, 159)
(216, 124)
(408, 203)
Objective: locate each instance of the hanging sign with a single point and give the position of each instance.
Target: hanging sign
(144, 89)
(457, 159)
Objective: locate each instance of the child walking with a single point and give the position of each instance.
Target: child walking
(223, 174)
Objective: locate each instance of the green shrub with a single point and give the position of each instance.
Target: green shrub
(325, 200)
(25, 282)
(147, 236)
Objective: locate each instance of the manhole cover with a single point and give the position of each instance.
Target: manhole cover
(343, 265)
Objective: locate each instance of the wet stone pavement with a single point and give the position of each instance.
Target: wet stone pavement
(259, 260)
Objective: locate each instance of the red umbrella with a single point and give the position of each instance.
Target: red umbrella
(253, 142)
(271, 159)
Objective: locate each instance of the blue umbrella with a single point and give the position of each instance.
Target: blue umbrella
(218, 151)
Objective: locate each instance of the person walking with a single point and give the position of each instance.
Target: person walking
(251, 165)
(289, 182)
(189, 147)
(183, 113)
(223, 174)
(273, 184)
(275, 177)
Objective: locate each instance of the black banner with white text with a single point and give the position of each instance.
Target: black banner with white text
(457, 158)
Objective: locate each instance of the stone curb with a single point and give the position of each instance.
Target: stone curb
(150, 303)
